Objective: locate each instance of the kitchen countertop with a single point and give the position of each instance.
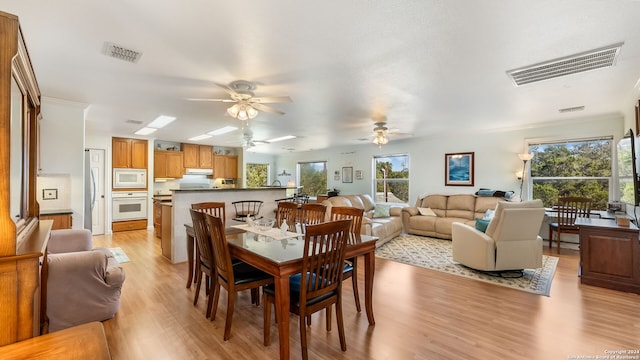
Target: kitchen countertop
(56, 212)
(239, 189)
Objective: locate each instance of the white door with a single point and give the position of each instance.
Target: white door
(98, 211)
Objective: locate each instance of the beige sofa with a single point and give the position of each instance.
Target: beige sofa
(463, 208)
(385, 228)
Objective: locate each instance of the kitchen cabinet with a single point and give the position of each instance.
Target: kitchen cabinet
(166, 226)
(225, 166)
(60, 220)
(129, 153)
(167, 164)
(157, 218)
(197, 156)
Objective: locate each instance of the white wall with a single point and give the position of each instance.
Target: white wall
(496, 159)
(62, 155)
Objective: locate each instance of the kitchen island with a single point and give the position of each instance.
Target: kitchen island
(183, 198)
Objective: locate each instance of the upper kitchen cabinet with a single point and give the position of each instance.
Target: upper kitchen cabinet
(225, 166)
(167, 164)
(198, 156)
(129, 153)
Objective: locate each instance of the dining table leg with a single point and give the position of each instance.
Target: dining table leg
(190, 256)
(282, 314)
(369, 270)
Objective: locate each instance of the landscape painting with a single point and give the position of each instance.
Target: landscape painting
(459, 169)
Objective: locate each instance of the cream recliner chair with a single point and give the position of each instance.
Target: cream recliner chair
(511, 241)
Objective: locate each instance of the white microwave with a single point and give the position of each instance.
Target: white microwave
(129, 178)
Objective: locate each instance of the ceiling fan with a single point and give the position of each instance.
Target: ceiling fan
(381, 131)
(247, 140)
(246, 105)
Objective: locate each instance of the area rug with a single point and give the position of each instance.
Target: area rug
(119, 254)
(435, 254)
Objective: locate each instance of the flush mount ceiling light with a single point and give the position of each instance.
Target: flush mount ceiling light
(158, 123)
(282, 138)
(573, 64)
(222, 130)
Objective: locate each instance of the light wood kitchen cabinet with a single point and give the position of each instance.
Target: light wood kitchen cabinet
(197, 156)
(167, 164)
(129, 153)
(225, 166)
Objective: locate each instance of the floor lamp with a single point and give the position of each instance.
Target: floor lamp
(524, 157)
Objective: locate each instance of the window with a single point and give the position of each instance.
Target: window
(312, 176)
(572, 168)
(392, 178)
(257, 175)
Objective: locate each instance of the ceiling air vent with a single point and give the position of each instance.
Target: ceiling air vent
(120, 52)
(137, 122)
(573, 64)
(571, 109)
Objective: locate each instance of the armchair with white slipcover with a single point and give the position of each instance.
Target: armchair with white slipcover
(511, 241)
(83, 284)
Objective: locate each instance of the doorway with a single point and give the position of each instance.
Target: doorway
(94, 192)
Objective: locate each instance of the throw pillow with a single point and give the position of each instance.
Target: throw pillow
(488, 215)
(426, 212)
(481, 224)
(381, 210)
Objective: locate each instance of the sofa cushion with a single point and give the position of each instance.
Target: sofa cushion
(485, 203)
(367, 201)
(355, 201)
(437, 203)
(461, 206)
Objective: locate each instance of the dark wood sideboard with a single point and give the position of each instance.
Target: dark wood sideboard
(609, 254)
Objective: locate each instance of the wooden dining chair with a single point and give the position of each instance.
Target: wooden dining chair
(287, 212)
(245, 208)
(321, 286)
(351, 265)
(215, 208)
(311, 214)
(569, 209)
(233, 277)
(204, 263)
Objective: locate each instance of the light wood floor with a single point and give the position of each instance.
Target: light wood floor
(420, 314)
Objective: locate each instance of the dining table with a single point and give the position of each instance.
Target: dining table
(282, 257)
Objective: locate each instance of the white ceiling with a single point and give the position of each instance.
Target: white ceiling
(430, 66)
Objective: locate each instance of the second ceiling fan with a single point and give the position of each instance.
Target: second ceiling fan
(246, 104)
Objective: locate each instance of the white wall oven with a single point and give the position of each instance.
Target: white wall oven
(129, 178)
(129, 205)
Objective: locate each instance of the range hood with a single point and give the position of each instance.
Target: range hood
(194, 171)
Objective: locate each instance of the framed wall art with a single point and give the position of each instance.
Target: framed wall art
(359, 175)
(347, 174)
(458, 169)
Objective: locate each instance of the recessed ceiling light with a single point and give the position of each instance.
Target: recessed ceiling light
(199, 137)
(222, 130)
(287, 137)
(145, 131)
(161, 121)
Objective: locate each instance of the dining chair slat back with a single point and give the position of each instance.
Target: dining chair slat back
(287, 212)
(351, 264)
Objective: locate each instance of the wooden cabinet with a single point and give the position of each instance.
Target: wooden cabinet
(167, 164)
(129, 153)
(60, 221)
(129, 225)
(609, 255)
(197, 156)
(225, 166)
(157, 218)
(23, 239)
(166, 230)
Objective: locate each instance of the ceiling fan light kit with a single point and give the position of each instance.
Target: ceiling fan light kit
(242, 111)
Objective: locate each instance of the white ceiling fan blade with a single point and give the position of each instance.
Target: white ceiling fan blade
(229, 90)
(266, 108)
(271, 99)
(212, 100)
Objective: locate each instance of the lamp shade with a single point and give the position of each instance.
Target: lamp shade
(525, 156)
